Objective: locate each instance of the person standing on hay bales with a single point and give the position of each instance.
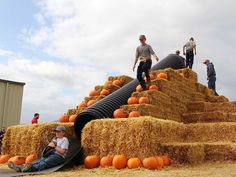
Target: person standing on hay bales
(190, 47)
(143, 54)
(57, 150)
(35, 118)
(211, 76)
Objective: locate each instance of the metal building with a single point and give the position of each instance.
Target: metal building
(11, 94)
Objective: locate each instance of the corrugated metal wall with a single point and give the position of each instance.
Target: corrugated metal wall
(11, 94)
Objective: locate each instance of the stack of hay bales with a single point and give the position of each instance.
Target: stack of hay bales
(24, 140)
(110, 87)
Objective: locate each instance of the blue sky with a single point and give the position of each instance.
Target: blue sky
(61, 49)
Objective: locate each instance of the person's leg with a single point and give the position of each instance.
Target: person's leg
(187, 59)
(212, 85)
(139, 75)
(191, 58)
(147, 70)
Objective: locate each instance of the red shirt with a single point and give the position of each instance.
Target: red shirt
(34, 120)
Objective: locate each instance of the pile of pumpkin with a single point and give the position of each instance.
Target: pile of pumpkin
(121, 161)
(18, 160)
(94, 93)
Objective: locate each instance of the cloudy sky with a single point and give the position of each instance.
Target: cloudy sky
(61, 49)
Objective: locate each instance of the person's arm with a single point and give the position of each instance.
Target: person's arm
(184, 49)
(60, 150)
(153, 53)
(136, 58)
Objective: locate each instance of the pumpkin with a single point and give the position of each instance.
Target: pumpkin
(117, 82)
(82, 105)
(119, 161)
(160, 162)
(106, 161)
(139, 88)
(143, 100)
(150, 163)
(4, 158)
(104, 92)
(132, 100)
(93, 93)
(162, 76)
(18, 160)
(153, 87)
(134, 163)
(90, 102)
(72, 118)
(120, 113)
(166, 160)
(30, 158)
(152, 76)
(64, 118)
(134, 114)
(92, 161)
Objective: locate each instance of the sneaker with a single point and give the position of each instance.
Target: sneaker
(27, 167)
(14, 167)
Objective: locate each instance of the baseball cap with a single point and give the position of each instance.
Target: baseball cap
(206, 61)
(60, 128)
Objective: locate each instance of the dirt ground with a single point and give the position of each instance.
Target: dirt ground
(216, 169)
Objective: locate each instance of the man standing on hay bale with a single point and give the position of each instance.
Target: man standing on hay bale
(143, 54)
(35, 118)
(211, 76)
(54, 157)
(190, 51)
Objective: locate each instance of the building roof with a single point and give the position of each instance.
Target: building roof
(13, 82)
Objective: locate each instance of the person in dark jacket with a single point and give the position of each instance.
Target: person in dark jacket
(211, 76)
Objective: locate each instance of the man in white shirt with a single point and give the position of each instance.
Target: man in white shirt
(58, 149)
(143, 54)
(189, 49)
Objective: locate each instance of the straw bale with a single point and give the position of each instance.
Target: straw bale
(189, 74)
(214, 116)
(97, 98)
(133, 137)
(111, 88)
(217, 98)
(196, 96)
(24, 140)
(210, 132)
(123, 78)
(74, 111)
(220, 151)
(184, 152)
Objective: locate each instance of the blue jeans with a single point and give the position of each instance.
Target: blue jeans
(48, 162)
(212, 84)
(189, 59)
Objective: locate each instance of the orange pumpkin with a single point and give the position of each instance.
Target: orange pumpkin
(4, 158)
(64, 118)
(72, 118)
(90, 102)
(119, 161)
(160, 162)
(166, 160)
(150, 163)
(117, 82)
(152, 76)
(104, 92)
(120, 113)
(92, 161)
(162, 76)
(106, 161)
(139, 88)
(93, 93)
(134, 114)
(134, 163)
(132, 100)
(143, 100)
(18, 160)
(82, 105)
(153, 87)
(30, 158)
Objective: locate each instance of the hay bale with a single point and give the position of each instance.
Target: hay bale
(189, 74)
(210, 132)
(212, 98)
(123, 78)
(196, 96)
(134, 137)
(24, 140)
(184, 152)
